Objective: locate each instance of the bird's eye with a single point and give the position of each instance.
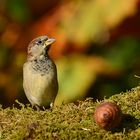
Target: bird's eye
(39, 42)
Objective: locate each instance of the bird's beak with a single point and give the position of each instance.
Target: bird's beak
(49, 41)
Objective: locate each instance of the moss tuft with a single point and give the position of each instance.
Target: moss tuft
(71, 121)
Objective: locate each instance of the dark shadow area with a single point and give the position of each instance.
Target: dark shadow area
(128, 123)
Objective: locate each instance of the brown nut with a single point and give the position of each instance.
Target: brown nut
(107, 115)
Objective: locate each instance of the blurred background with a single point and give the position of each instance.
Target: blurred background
(97, 48)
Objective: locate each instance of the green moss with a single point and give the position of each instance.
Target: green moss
(71, 121)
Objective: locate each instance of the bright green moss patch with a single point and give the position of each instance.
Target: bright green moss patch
(71, 121)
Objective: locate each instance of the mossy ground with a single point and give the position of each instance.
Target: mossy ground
(71, 121)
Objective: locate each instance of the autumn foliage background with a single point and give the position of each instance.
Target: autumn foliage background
(97, 48)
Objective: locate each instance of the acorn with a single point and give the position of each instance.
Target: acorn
(108, 115)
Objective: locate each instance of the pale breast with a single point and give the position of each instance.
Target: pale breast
(40, 86)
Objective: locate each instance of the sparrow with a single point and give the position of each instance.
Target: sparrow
(40, 82)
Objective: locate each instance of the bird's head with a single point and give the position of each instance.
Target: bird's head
(39, 47)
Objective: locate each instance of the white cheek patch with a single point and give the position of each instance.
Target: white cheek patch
(44, 46)
(37, 51)
(41, 57)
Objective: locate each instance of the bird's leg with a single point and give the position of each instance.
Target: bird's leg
(36, 107)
